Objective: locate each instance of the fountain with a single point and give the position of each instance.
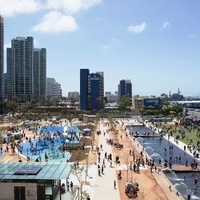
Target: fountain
(156, 157)
(46, 147)
(149, 150)
(167, 170)
(194, 197)
(181, 186)
(161, 148)
(174, 177)
(184, 183)
(140, 140)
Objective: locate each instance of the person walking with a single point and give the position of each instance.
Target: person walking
(111, 164)
(104, 163)
(67, 186)
(114, 184)
(71, 185)
(102, 169)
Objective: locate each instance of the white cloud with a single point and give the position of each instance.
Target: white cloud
(71, 6)
(9, 8)
(56, 22)
(137, 28)
(12, 7)
(166, 24)
(114, 42)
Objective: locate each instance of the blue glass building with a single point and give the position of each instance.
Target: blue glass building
(125, 88)
(84, 73)
(91, 90)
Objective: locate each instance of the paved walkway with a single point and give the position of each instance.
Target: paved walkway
(105, 183)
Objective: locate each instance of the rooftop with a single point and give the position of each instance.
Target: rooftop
(49, 171)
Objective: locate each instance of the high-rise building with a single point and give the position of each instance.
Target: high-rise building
(91, 90)
(39, 74)
(1, 56)
(5, 84)
(73, 95)
(26, 70)
(125, 88)
(84, 73)
(20, 69)
(108, 93)
(111, 98)
(53, 89)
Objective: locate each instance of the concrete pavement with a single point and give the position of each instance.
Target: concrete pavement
(105, 183)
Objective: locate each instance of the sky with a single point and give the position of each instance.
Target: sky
(154, 43)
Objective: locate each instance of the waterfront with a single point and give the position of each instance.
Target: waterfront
(164, 151)
(184, 183)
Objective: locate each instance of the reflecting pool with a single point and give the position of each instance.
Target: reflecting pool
(160, 148)
(184, 183)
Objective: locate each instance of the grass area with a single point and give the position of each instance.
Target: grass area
(190, 135)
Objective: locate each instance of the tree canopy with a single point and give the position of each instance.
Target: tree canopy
(124, 102)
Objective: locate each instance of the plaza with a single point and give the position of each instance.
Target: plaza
(94, 176)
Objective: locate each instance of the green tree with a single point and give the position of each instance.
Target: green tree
(142, 110)
(100, 101)
(12, 105)
(51, 101)
(165, 99)
(125, 102)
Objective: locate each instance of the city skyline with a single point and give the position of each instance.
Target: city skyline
(91, 90)
(26, 71)
(155, 45)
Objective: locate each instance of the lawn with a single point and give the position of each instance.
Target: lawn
(190, 135)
